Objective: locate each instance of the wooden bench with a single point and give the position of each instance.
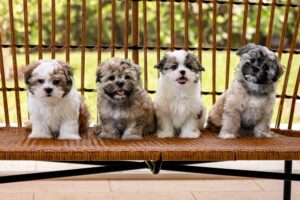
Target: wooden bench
(173, 154)
(16, 146)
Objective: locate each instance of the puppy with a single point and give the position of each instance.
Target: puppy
(124, 108)
(55, 107)
(178, 105)
(248, 103)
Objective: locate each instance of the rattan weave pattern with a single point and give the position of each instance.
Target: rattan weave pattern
(14, 145)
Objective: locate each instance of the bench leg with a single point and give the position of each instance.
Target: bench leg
(155, 166)
(287, 183)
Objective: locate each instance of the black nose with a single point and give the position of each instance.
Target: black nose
(120, 84)
(182, 72)
(48, 90)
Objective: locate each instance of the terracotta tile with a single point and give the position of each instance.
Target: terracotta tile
(114, 196)
(276, 185)
(24, 196)
(238, 195)
(184, 185)
(46, 186)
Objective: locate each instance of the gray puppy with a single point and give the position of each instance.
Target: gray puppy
(124, 108)
(248, 104)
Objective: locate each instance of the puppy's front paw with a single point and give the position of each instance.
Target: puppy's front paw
(106, 135)
(164, 134)
(268, 134)
(38, 135)
(69, 137)
(226, 135)
(190, 134)
(96, 129)
(132, 137)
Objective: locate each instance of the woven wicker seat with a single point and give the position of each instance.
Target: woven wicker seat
(14, 145)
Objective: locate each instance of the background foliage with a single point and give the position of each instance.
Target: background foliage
(92, 14)
(92, 37)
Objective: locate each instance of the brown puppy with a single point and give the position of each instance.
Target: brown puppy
(124, 108)
(248, 103)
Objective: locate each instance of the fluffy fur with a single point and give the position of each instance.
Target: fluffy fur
(56, 109)
(125, 109)
(178, 105)
(247, 106)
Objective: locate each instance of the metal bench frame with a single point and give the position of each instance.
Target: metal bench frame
(155, 166)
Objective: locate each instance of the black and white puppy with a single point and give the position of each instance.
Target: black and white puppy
(248, 103)
(178, 104)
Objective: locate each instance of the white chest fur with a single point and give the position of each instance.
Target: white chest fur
(52, 113)
(178, 102)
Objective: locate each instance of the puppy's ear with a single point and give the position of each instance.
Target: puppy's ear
(245, 49)
(279, 72)
(68, 71)
(195, 60)
(28, 71)
(98, 77)
(201, 68)
(98, 73)
(137, 70)
(161, 64)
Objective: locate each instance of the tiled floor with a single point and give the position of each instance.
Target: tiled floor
(238, 189)
(181, 187)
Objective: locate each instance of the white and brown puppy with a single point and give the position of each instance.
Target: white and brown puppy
(125, 109)
(178, 105)
(55, 107)
(248, 103)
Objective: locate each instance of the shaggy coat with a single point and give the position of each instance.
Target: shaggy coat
(247, 106)
(124, 108)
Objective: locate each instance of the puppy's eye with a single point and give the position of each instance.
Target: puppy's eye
(56, 82)
(41, 81)
(111, 78)
(266, 67)
(252, 60)
(127, 77)
(174, 66)
(248, 64)
(255, 69)
(189, 66)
